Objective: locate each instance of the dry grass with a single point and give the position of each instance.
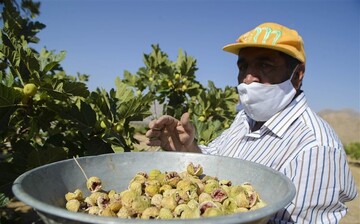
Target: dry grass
(346, 123)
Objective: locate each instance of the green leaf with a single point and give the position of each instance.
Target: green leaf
(88, 114)
(130, 79)
(30, 60)
(9, 172)
(76, 89)
(123, 92)
(50, 66)
(101, 101)
(116, 139)
(22, 148)
(46, 155)
(85, 117)
(50, 60)
(135, 108)
(7, 80)
(117, 148)
(7, 96)
(3, 200)
(96, 146)
(5, 114)
(30, 6)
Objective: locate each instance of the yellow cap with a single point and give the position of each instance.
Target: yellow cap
(273, 36)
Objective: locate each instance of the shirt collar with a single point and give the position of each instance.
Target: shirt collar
(281, 121)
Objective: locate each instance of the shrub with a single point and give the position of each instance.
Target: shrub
(353, 150)
(47, 115)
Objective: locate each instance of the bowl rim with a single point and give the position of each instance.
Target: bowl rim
(44, 208)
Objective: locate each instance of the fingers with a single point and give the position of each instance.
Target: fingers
(153, 142)
(185, 122)
(170, 133)
(186, 130)
(165, 145)
(162, 122)
(151, 133)
(156, 126)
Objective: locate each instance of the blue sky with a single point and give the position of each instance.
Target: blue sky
(103, 38)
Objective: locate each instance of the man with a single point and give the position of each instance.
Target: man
(275, 128)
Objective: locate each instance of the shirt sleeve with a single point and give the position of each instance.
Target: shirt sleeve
(323, 183)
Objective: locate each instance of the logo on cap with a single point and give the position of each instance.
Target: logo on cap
(268, 32)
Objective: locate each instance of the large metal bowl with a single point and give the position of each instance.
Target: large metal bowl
(44, 188)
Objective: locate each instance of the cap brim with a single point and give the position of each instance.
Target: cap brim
(235, 48)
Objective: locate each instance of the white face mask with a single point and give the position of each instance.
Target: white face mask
(262, 101)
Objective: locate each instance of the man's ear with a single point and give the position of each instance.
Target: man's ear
(298, 76)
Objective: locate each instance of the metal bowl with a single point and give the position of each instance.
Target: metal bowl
(44, 188)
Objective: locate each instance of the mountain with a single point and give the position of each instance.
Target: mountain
(346, 124)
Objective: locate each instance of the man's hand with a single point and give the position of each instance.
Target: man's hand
(172, 135)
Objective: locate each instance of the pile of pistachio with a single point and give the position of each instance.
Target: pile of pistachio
(167, 195)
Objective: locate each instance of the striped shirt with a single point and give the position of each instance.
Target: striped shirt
(305, 148)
